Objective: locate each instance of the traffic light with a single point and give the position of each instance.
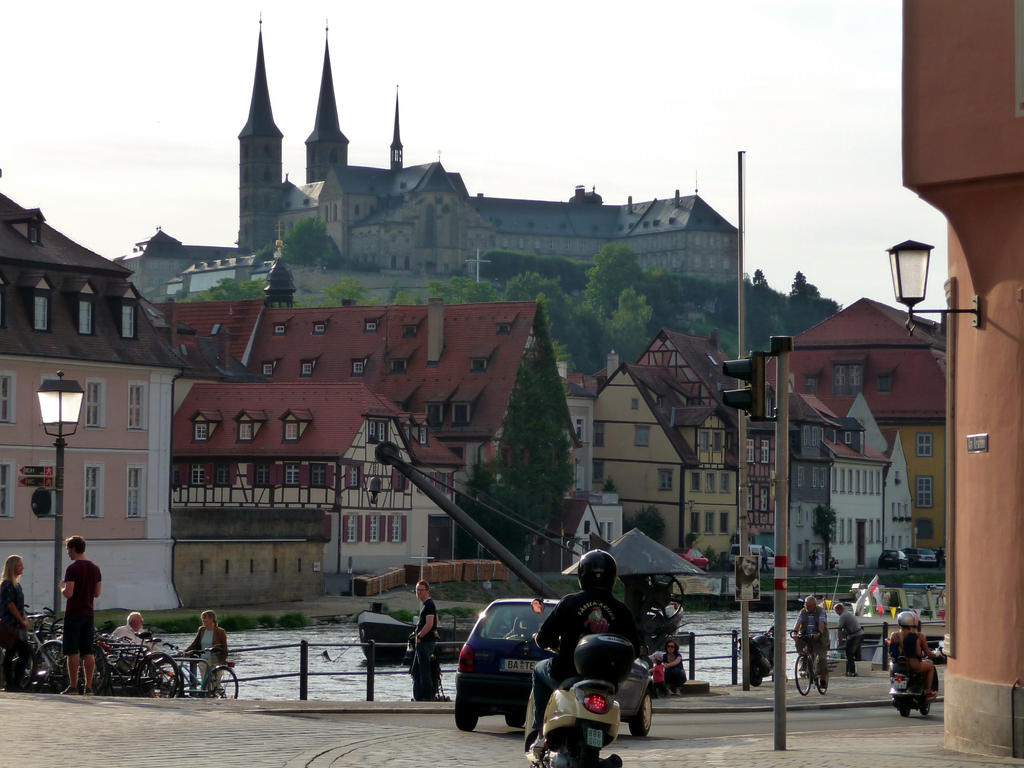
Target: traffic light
(41, 502)
(752, 397)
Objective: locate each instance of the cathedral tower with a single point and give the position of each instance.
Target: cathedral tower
(259, 166)
(396, 142)
(326, 145)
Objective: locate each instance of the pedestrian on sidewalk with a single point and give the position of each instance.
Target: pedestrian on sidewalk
(82, 584)
(12, 616)
(426, 639)
(851, 631)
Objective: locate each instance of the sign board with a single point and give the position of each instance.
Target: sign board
(748, 578)
(39, 470)
(977, 443)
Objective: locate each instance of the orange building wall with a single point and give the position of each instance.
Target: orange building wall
(964, 154)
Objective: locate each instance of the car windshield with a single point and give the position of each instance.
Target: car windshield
(512, 621)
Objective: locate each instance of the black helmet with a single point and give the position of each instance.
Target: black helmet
(597, 570)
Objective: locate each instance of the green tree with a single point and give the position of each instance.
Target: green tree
(615, 269)
(347, 289)
(649, 521)
(627, 328)
(308, 245)
(823, 523)
(229, 290)
(534, 467)
(462, 290)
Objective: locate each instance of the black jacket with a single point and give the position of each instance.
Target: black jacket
(583, 613)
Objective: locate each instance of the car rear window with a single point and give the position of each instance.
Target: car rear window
(512, 622)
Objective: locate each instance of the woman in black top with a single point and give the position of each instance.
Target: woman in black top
(12, 613)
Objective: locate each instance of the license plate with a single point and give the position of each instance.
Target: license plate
(517, 665)
(900, 685)
(594, 737)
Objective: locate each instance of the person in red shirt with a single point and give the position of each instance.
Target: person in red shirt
(81, 585)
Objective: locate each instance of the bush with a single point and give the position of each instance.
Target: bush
(236, 622)
(266, 620)
(292, 621)
(402, 615)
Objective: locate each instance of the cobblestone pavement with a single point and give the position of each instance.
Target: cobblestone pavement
(105, 732)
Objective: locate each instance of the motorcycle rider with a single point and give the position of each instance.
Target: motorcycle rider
(592, 610)
(910, 643)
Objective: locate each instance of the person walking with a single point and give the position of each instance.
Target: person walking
(12, 615)
(426, 639)
(82, 584)
(850, 630)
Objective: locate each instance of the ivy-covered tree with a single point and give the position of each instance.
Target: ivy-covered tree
(533, 463)
(347, 289)
(615, 269)
(627, 328)
(649, 521)
(823, 523)
(229, 290)
(308, 245)
(462, 290)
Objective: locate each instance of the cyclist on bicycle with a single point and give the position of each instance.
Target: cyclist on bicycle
(811, 635)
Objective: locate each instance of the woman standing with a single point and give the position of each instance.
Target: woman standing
(675, 676)
(12, 613)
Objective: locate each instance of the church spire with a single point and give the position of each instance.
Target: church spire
(261, 116)
(259, 167)
(326, 145)
(396, 142)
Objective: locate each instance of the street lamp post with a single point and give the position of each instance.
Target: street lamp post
(60, 403)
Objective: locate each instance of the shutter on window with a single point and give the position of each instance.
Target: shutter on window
(304, 474)
(389, 526)
(331, 469)
(250, 475)
(232, 473)
(343, 535)
(366, 527)
(404, 523)
(276, 474)
(208, 471)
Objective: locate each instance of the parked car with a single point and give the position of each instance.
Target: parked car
(893, 558)
(921, 556)
(696, 557)
(496, 670)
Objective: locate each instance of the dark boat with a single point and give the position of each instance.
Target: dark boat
(394, 635)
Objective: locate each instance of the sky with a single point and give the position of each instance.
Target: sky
(123, 117)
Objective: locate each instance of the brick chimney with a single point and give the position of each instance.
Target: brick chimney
(677, 198)
(613, 363)
(435, 331)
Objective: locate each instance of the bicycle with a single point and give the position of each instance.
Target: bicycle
(138, 671)
(803, 670)
(215, 682)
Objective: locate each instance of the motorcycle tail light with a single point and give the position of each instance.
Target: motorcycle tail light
(467, 659)
(596, 703)
(899, 678)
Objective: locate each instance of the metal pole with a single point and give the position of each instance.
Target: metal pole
(58, 518)
(741, 449)
(781, 347)
(303, 670)
(371, 660)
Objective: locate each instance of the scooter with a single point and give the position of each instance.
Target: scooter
(582, 715)
(907, 687)
(762, 651)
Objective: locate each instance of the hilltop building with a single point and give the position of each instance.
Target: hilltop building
(421, 218)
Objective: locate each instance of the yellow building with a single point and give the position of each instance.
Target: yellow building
(666, 446)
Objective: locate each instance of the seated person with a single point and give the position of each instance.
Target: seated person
(129, 631)
(675, 674)
(911, 646)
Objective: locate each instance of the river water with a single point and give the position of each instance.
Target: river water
(338, 672)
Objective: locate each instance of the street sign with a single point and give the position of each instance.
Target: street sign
(36, 480)
(36, 471)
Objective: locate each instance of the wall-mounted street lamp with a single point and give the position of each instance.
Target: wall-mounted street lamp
(909, 264)
(60, 403)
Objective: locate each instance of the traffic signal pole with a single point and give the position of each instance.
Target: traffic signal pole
(742, 513)
(781, 347)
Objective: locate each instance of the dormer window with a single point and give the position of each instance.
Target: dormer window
(478, 365)
(399, 365)
(460, 414)
(504, 329)
(376, 430)
(319, 328)
(41, 311)
(306, 368)
(245, 431)
(357, 367)
(423, 435)
(85, 313)
(33, 232)
(291, 431)
(267, 367)
(128, 330)
(279, 329)
(200, 431)
(370, 326)
(435, 414)
(409, 331)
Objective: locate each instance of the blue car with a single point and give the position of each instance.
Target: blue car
(496, 670)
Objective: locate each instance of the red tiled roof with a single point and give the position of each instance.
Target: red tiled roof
(239, 317)
(874, 335)
(468, 328)
(843, 451)
(336, 411)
